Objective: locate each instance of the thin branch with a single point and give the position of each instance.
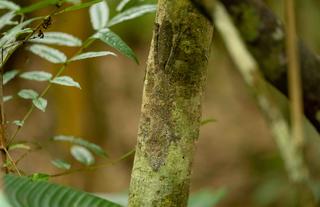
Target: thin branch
(12, 162)
(3, 142)
(95, 167)
(294, 75)
(293, 158)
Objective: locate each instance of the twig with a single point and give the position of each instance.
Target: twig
(12, 162)
(90, 168)
(2, 126)
(294, 80)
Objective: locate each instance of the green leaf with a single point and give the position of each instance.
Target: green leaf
(206, 198)
(28, 94)
(61, 164)
(48, 53)
(132, 13)
(6, 19)
(74, 1)
(39, 5)
(36, 76)
(45, 194)
(40, 177)
(18, 123)
(23, 34)
(9, 5)
(110, 38)
(19, 146)
(65, 81)
(58, 38)
(99, 15)
(122, 4)
(7, 42)
(8, 76)
(80, 6)
(91, 55)
(11, 35)
(7, 98)
(82, 155)
(40, 103)
(5, 54)
(78, 141)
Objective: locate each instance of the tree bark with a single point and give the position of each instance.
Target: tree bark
(171, 106)
(264, 36)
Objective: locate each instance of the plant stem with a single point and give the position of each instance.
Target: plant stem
(95, 167)
(86, 44)
(3, 141)
(2, 126)
(12, 162)
(294, 80)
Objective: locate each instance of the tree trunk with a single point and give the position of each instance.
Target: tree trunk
(171, 106)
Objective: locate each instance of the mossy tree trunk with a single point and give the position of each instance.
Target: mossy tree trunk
(171, 106)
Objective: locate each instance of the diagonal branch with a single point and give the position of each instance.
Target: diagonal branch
(266, 96)
(264, 36)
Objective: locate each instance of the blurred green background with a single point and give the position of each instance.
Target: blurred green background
(236, 152)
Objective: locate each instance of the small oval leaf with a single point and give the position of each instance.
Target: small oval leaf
(99, 15)
(132, 13)
(92, 55)
(36, 76)
(7, 98)
(78, 141)
(82, 155)
(19, 146)
(18, 123)
(9, 5)
(40, 103)
(61, 164)
(48, 53)
(28, 94)
(40, 177)
(6, 19)
(11, 35)
(58, 38)
(65, 81)
(110, 38)
(122, 4)
(8, 76)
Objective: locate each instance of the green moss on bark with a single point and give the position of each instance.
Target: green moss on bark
(171, 107)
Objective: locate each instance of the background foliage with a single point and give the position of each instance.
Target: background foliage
(235, 152)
